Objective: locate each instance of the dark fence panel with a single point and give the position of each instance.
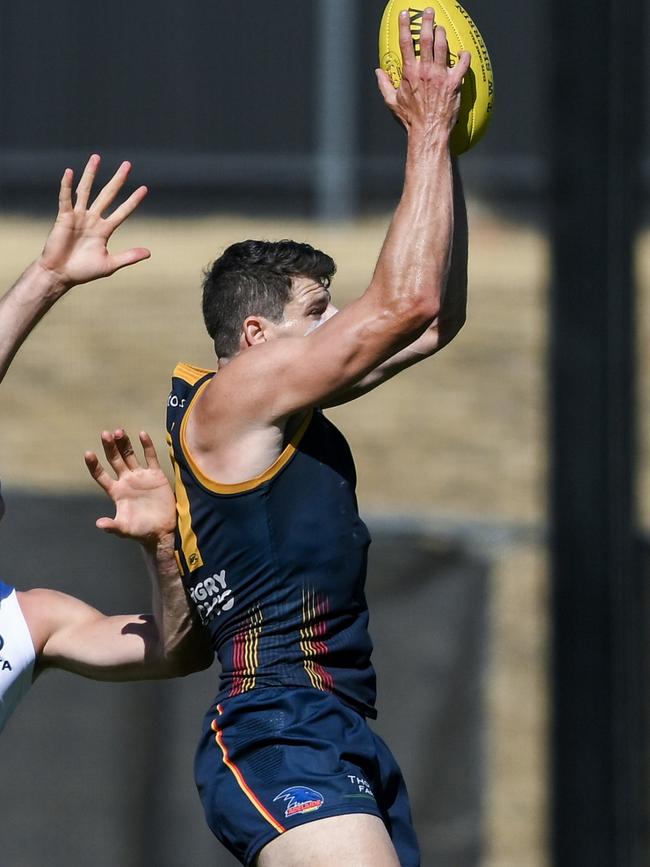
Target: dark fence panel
(226, 99)
(101, 774)
(173, 78)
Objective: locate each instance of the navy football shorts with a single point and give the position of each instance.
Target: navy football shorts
(275, 758)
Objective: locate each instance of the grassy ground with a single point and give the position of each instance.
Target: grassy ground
(462, 436)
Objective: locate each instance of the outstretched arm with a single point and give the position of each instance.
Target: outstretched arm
(75, 252)
(407, 291)
(445, 326)
(168, 643)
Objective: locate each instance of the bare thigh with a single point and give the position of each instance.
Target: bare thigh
(357, 840)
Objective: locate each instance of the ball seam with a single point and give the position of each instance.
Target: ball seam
(463, 48)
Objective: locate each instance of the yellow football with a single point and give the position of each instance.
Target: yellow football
(477, 92)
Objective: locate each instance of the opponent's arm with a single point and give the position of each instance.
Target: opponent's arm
(75, 252)
(281, 377)
(72, 635)
(168, 643)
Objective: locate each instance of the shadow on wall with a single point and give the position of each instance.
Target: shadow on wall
(102, 773)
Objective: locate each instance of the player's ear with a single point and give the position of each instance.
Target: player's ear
(254, 330)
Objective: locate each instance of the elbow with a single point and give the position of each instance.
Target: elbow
(456, 324)
(183, 663)
(448, 328)
(417, 312)
(179, 660)
(424, 304)
(200, 661)
(409, 302)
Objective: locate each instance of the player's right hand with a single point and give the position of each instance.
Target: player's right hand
(427, 101)
(76, 249)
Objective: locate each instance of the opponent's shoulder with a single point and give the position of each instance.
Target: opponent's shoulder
(38, 608)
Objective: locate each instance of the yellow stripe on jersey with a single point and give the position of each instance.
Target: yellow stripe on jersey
(250, 484)
(251, 651)
(189, 542)
(306, 640)
(189, 373)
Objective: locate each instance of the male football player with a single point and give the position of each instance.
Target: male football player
(272, 548)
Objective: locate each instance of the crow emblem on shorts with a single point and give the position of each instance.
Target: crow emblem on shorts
(300, 799)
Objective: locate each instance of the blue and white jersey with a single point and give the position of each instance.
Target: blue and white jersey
(17, 655)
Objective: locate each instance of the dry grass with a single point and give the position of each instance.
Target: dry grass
(461, 434)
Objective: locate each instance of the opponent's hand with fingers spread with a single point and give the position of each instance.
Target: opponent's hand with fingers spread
(76, 249)
(428, 98)
(145, 508)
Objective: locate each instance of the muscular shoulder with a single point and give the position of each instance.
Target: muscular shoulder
(266, 384)
(50, 611)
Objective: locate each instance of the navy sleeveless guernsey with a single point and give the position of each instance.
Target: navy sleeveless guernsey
(276, 566)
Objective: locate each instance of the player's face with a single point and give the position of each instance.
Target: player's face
(310, 307)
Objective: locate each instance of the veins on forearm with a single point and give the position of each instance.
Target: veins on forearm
(172, 610)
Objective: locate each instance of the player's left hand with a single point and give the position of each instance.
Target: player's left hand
(76, 249)
(145, 508)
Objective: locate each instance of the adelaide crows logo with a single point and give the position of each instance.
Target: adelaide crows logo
(300, 799)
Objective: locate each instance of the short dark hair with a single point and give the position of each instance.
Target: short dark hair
(255, 278)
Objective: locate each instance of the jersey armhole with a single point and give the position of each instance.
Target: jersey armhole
(250, 484)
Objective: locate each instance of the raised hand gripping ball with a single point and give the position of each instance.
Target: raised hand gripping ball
(477, 92)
